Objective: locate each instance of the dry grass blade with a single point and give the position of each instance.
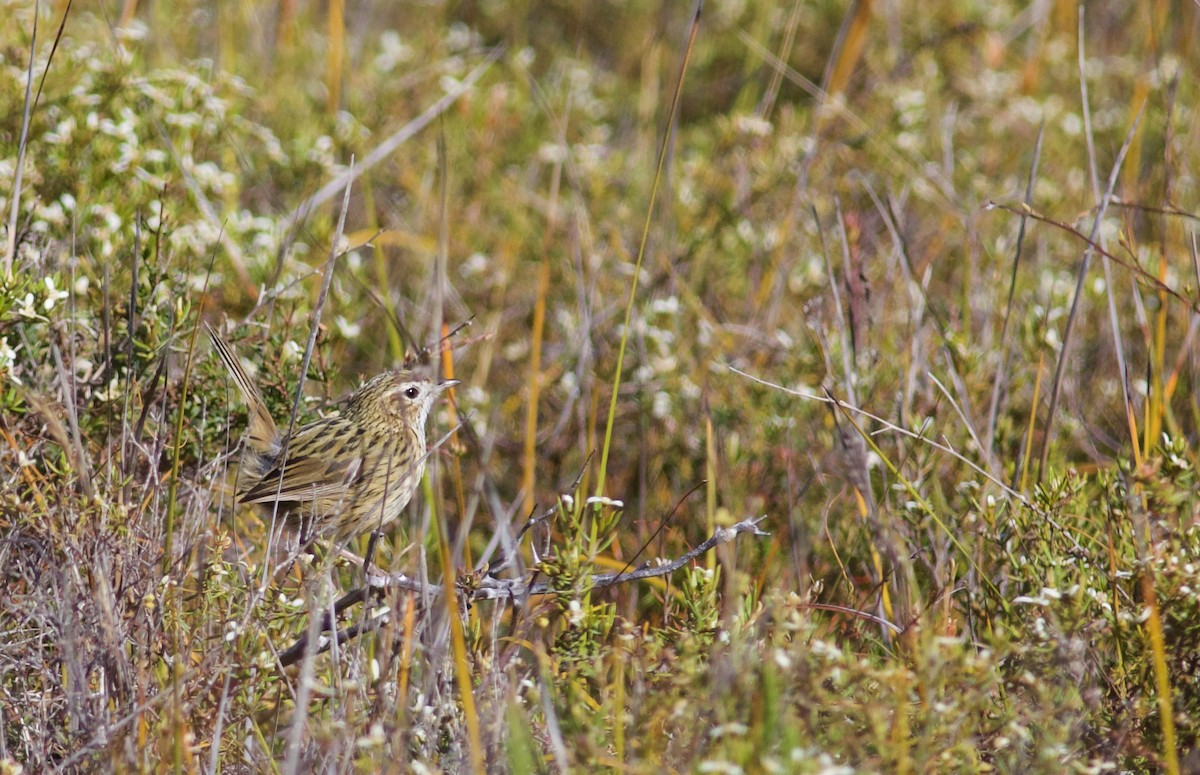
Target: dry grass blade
(10, 252)
(454, 619)
(172, 494)
(335, 54)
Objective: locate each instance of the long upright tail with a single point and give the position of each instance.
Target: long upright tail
(263, 435)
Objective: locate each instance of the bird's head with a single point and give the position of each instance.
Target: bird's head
(397, 398)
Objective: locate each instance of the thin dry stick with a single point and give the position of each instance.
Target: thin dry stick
(303, 692)
(1088, 136)
(888, 426)
(1097, 248)
(214, 759)
(1002, 366)
(849, 378)
(841, 609)
(1072, 316)
(405, 133)
(962, 415)
(1151, 209)
(440, 282)
(83, 469)
(489, 588)
(62, 26)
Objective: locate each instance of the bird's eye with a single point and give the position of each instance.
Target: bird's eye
(412, 393)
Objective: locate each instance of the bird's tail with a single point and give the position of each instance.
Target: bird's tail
(263, 435)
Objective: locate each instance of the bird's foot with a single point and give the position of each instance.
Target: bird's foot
(369, 557)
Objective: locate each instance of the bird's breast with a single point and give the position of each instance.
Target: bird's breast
(400, 464)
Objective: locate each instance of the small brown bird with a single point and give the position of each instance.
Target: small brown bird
(344, 475)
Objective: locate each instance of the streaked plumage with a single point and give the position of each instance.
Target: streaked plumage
(342, 475)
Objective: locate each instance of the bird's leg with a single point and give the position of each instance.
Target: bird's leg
(307, 535)
(369, 557)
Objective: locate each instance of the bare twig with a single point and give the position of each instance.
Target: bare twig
(1094, 246)
(489, 588)
(405, 133)
(893, 428)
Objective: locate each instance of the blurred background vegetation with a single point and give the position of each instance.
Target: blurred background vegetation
(984, 557)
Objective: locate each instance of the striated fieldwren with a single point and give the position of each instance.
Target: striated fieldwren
(340, 476)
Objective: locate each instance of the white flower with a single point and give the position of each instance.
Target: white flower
(110, 391)
(27, 310)
(52, 294)
(393, 51)
(752, 125)
(8, 357)
(662, 405)
(478, 263)
(347, 329)
(603, 501)
(664, 306)
(460, 37)
(552, 153)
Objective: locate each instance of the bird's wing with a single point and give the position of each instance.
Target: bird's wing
(320, 464)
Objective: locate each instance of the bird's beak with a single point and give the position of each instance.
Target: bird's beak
(443, 386)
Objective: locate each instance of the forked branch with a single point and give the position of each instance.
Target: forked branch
(489, 588)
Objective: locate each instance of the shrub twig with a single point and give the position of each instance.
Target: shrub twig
(489, 588)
